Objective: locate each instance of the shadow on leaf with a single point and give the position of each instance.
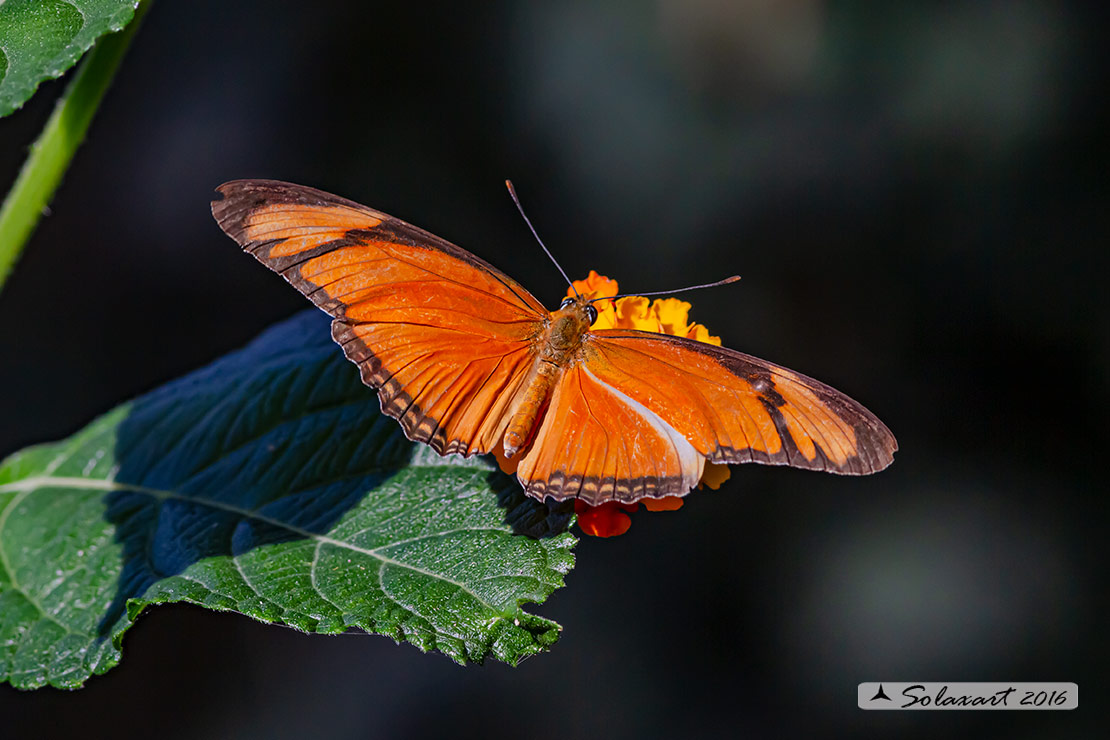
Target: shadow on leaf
(269, 483)
(527, 516)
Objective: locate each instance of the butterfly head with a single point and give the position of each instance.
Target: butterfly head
(581, 307)
(570, 322)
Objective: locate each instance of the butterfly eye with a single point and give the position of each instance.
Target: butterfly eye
(567, 303)
(591, 312)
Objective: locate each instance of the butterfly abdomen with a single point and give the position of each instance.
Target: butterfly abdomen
(541, 380)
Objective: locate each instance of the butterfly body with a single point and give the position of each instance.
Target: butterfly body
(558, 348)
(469, 362)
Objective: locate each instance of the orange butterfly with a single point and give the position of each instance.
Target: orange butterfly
(468, 362)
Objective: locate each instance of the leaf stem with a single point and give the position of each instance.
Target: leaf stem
(52, 151)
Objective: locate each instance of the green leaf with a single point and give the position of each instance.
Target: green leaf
(41, 39)
(269, 484)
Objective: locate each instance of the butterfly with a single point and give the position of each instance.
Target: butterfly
(469, 362)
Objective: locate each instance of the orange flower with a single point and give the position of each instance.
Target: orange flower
(595, 286)
(662, 316)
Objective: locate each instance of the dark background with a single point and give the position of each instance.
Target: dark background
(916, 198)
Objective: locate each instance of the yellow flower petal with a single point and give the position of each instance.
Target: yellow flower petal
(606, 317)
(699, 333)
(508, 467)
(634, 312)
(667, 503)
(714, 475)
(673, 316)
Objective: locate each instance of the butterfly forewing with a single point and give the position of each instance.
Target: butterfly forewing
(445, 337)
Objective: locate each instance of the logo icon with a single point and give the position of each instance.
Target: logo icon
(880, 694)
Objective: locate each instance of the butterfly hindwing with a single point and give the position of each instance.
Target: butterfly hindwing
(640, 414)
(446, 338)
(598, 444)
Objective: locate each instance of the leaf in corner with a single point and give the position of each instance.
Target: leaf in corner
(41, 39)
(267, 483)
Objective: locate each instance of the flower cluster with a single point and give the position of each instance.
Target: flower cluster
(662, 316)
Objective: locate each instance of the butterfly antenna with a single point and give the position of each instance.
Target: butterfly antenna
(512, 192)
(726, 281)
